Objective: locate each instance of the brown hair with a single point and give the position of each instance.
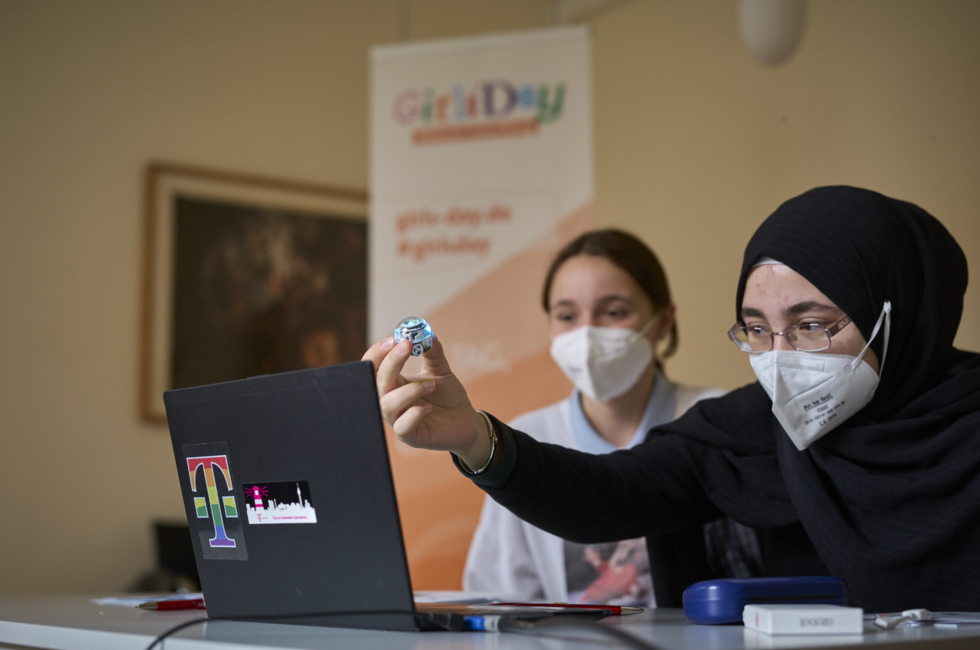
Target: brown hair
(628, 253)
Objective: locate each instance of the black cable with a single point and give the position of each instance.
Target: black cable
(269, 617)
(512, 625)
(178, 628)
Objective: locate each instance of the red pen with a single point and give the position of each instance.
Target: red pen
(162, 605)
(615, 610)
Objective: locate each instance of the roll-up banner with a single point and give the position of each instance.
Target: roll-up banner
(481, 170)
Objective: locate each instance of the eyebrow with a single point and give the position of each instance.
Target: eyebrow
(605, 300)
(613, 298)
(793, 310)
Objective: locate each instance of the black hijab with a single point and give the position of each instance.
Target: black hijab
(860, 248)
(891, 498)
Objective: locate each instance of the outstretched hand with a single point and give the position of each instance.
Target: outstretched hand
(429, 409)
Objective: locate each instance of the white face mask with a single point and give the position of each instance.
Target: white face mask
(603, 362)
(813, 393)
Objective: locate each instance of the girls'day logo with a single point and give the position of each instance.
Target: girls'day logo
(219, 527)
(495, 108)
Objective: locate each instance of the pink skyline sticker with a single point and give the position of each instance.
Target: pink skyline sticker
(287, 502)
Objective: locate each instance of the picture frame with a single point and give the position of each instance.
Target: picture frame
(245, 274)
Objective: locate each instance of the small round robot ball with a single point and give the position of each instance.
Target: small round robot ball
(418, 332)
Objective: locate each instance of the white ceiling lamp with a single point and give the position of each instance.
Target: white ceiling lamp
(771, 29)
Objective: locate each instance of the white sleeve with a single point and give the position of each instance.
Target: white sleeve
(500, 561)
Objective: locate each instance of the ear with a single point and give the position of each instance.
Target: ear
(665, 322)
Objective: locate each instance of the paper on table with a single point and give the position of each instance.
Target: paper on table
(134, 601)
(461, 597)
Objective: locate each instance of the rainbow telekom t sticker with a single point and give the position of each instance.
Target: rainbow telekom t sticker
(218, 524)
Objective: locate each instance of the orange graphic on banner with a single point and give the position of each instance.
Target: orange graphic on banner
(481, 131)
(518, 375)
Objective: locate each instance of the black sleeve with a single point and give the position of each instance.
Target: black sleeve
(718, 459)
(586, 498)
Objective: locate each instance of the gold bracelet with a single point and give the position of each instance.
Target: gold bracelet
(493, 446)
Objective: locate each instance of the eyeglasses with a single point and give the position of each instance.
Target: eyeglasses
(806, 337)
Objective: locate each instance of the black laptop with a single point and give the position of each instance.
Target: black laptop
(290, 501)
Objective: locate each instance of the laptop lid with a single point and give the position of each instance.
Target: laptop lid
(289, 498)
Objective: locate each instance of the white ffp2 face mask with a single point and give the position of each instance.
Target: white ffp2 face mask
(813, 393)
(603, 362)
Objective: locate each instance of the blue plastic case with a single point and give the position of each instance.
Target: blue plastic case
(721, 601)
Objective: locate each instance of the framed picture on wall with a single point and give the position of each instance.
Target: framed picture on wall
(246, 275)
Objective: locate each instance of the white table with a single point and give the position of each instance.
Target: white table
(74, 623)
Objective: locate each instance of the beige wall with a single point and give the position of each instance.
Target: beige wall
(89, 91)
(695, 144)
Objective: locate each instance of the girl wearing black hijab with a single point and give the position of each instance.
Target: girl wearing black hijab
(857, 454)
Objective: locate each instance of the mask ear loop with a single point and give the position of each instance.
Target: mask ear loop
(640, 333)
(646, 328)
(886, 315)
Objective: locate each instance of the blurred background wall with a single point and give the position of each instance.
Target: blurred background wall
(695, 144)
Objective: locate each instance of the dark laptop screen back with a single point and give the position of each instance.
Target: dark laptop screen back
(289, 496)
